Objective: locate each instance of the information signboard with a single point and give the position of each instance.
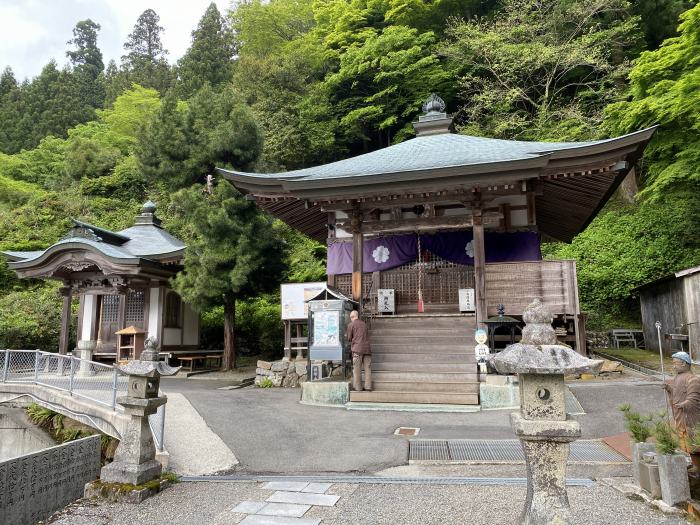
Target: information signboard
(294, 297)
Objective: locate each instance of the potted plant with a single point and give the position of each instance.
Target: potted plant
(640, 429)
(673, 467)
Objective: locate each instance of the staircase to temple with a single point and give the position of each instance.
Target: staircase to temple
(422, 359)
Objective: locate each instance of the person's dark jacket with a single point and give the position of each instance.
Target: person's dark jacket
(358, 335)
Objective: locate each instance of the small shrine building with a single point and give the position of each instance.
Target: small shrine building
(121, 279)
(440, 213)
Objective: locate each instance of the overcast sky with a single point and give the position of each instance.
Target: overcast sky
(34, 31)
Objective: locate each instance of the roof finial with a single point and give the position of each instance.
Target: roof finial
(147, 216)
(435, 121)
(148, 207)
(434, 104)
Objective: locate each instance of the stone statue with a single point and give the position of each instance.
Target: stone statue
(684, 393)
(209, 186)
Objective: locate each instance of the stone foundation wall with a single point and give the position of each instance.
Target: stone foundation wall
(290, 374)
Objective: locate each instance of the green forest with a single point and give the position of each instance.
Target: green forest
(287, 84)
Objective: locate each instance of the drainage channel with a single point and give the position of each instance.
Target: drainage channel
(571, 482)
(501, 451)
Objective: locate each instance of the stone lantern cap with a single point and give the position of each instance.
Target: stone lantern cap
(538, 351)
(149, 365)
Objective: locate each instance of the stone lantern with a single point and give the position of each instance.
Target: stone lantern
(135, 457)
(543, 427)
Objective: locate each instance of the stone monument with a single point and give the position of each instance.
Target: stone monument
(135, 457)
(543, 427)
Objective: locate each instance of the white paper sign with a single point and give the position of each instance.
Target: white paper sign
(294, 297)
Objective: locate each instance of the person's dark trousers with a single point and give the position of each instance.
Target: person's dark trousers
(358, 362)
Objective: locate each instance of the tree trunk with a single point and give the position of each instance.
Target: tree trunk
(229, 358)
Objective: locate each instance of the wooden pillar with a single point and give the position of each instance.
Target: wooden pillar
(357, 247)
(479, 268)
(287, 340)
(64, 338)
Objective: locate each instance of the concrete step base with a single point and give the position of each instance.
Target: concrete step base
(385, 396)
(411, 407)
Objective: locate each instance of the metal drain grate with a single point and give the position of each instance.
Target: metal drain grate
(429, 450)
(502, 451)
(573, 407)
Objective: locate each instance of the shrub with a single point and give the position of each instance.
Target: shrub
(639, 426)
(265, 382)
(666, 437)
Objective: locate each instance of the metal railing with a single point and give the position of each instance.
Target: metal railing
(90, 380)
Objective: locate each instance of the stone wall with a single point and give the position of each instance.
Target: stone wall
(289, 374)
(34, 486)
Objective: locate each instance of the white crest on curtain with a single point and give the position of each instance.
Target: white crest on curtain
(469, 248)
(380, 254)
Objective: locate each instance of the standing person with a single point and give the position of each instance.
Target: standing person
(684, 390)
(358, 335)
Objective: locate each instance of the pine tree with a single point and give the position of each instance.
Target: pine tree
(9, 112)
(145, 62)
(210, 57)
(234, 254)
(87, 64)
(184, 142)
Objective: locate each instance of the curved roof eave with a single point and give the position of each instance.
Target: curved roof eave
(67, 246)
(489, 170)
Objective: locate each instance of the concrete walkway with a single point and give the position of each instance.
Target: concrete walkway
(194, 449)
(271, 432)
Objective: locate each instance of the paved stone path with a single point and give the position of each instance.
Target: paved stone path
(288, 504)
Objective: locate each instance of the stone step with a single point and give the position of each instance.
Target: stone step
(385, 348)
(455, 387)
(425, 339)
(437, 377)
(387, 396)
(394, 366)
(423, 331)
(423, 358)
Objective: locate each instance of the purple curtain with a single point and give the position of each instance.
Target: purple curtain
(384, 253)
(456, 247)
(381, 253)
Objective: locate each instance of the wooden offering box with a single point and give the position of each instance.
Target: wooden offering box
(130, 342)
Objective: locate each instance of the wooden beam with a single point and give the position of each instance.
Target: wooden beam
(423, 223)
(64, 340)
(479, 270)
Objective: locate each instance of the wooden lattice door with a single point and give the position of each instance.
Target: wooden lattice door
(109, 320)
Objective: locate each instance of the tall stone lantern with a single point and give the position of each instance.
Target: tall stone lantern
(135, 457)
(542, 425)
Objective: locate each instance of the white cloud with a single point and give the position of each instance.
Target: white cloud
(32, 32)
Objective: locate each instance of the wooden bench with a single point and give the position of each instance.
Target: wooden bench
(204, 359)
(622, 336)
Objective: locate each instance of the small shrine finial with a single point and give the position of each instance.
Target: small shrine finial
(501, 310)
(434, 104)
(148, 207)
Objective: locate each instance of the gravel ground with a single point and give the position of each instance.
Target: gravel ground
(366, 504)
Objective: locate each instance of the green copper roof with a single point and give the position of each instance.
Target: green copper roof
(434, 152)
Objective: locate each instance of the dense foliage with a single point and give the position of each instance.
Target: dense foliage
(286, 84)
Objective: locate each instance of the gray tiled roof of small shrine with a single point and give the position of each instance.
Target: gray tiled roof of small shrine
(428, 152)
(141, 241)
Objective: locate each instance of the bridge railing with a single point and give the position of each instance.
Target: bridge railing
(97, 382)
